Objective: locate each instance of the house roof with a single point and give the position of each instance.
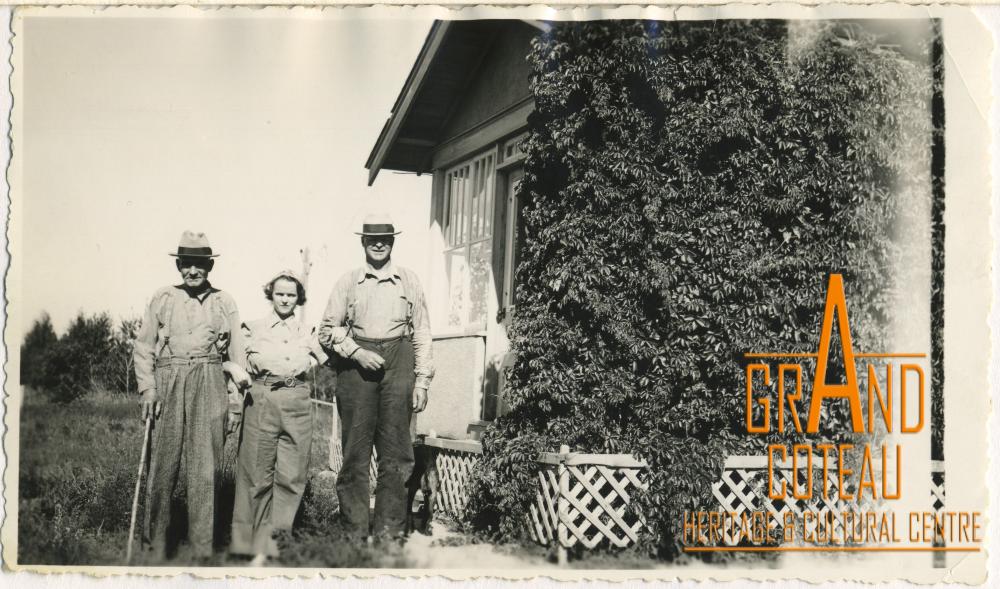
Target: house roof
(450, 57)
(448, 60)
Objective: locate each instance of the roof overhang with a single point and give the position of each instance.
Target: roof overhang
(418, 74)
(451, 53)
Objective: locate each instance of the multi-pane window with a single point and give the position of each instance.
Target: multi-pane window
(467, 222)
(479, 214)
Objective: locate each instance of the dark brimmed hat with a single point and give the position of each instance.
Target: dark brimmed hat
(194, 245)
(377, 225)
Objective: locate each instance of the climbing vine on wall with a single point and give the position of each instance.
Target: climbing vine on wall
(689, 187)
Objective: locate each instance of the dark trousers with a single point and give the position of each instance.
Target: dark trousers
(192, 423)
(375, 407)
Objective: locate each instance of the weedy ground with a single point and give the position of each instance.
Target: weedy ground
(77, 472)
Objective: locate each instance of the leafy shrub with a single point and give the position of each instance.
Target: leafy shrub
(689, 186)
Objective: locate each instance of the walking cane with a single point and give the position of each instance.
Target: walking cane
(138, 484)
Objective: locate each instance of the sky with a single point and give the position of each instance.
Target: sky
(253, 130)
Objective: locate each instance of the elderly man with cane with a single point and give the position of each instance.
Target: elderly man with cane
(190, 337)
(376, 322)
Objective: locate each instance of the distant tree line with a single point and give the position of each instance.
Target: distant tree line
(93, 354)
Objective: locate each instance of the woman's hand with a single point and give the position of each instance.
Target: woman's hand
(302, 367)
(238, 374)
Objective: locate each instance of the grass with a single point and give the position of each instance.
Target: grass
(78, 467)
(77, 473)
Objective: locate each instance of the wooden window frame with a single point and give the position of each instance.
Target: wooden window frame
(512, 158)
(473, 227)
(498, 231)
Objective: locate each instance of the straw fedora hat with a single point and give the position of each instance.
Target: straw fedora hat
(194, 245)
(377, 225)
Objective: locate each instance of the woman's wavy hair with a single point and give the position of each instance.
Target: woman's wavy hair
(301, 290)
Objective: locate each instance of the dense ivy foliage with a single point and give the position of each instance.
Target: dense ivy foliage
(689, 187)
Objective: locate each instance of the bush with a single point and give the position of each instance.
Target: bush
(688, 188)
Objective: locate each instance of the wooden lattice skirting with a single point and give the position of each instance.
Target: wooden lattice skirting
(452, 462)
(580, 498)
(586, 498)
(743, 488)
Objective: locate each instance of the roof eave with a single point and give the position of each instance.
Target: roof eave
(390, 132)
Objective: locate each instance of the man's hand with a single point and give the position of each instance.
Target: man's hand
(419, 399)
(233, 421)
(368, 360)
(150, 404)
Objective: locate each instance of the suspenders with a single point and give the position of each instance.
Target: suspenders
(167, 316)
(168, 311)
(352, 299)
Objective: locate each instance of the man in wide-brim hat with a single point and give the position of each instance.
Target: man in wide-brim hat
(376, 321)
(190, 336)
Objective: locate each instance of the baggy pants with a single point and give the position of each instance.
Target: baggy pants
(272, 466)
(375, 407)
(192, 393)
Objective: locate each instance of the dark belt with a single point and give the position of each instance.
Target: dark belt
(189, 360)
(386, 340)
(277, 382)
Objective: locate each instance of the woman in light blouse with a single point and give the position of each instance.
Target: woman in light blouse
(277, 421)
